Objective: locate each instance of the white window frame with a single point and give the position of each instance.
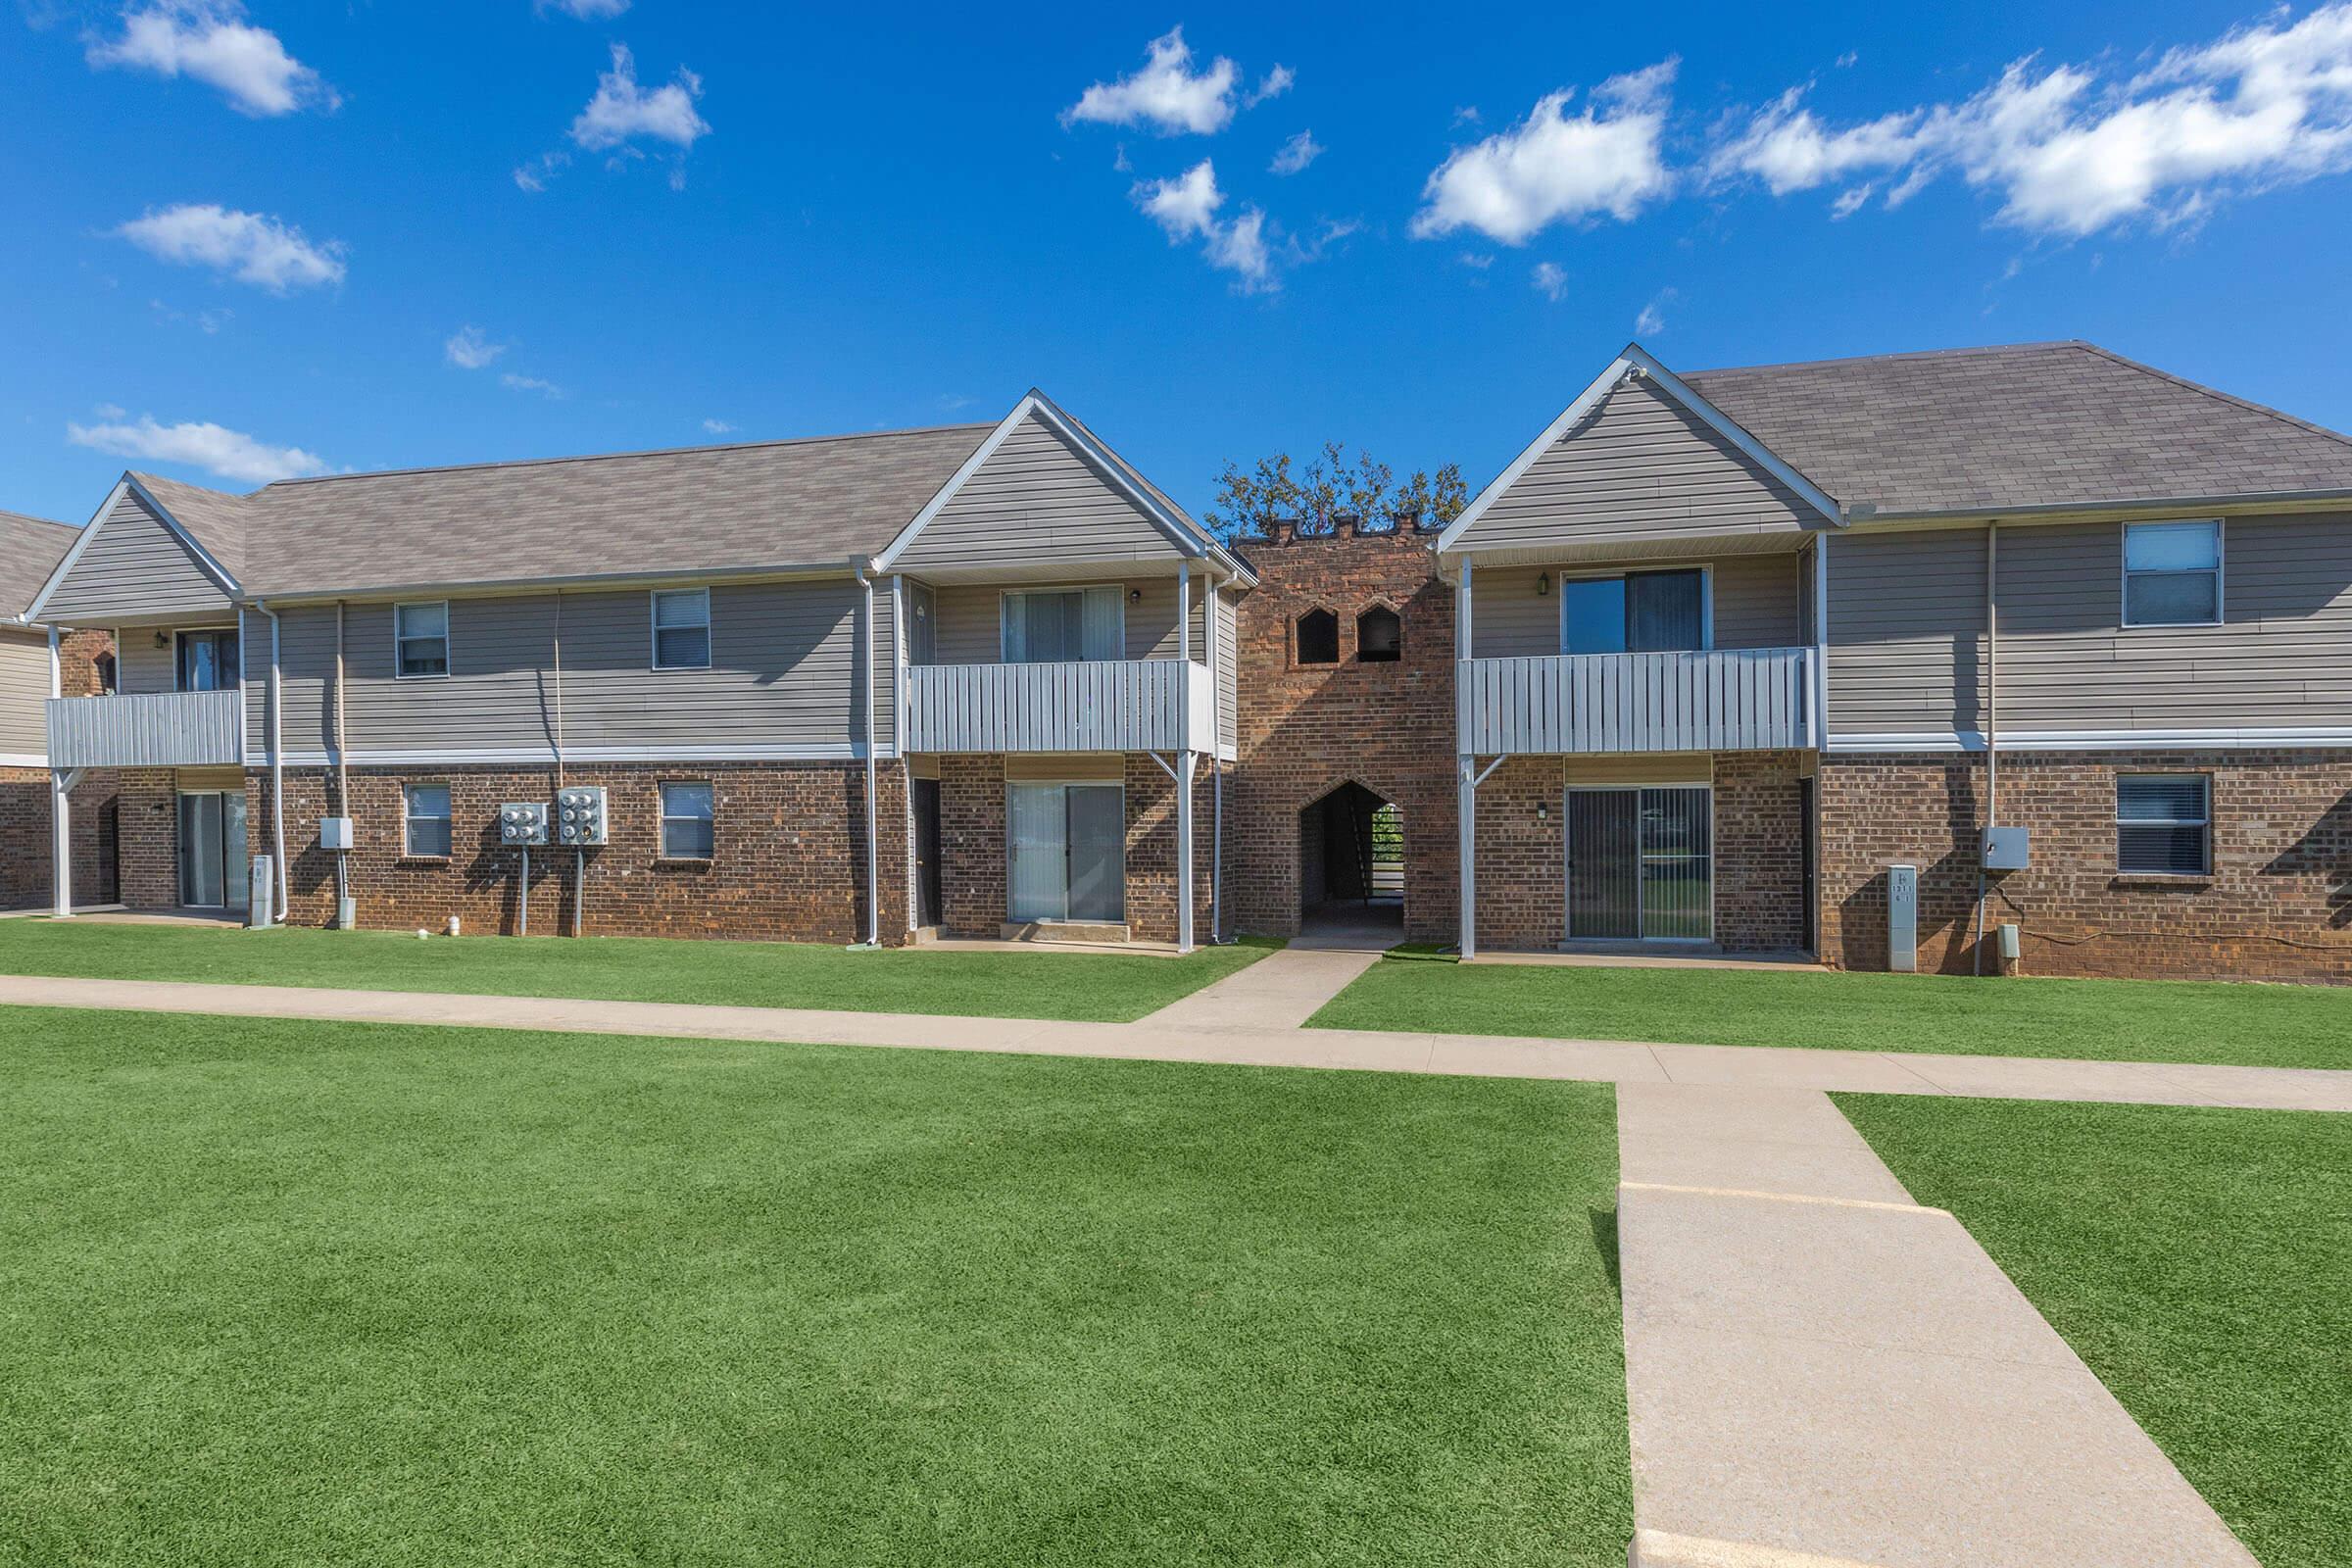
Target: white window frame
(449, 662)
(1005, 597)
(407, 846)
(663, 819)
(1706, 596)
(2123, 572)
(655, 628)
(2121, 821)
(180, 634)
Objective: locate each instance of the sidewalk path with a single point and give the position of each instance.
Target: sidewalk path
(1280, 990)
(1819, 1371)
(1478, 1056)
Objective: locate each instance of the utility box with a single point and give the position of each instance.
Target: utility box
(522, 825)
(2012, 943)
(1902, 917)
(261, 892)
(580, 815)
(2007, 849)
(334, 832)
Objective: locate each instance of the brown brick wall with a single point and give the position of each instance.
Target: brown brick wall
(1522, 855)
(2278, 904)
(1760, 852)
(789, 860)
(972, 806)
(92, 813)
(1306, 729)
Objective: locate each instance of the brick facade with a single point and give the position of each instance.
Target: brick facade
(789, 856)
(27, 854)
(1522, 855)
(2277, 906)
(973, 851)
(1760, 852)
(1305, 729)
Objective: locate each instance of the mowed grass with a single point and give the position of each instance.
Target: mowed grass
(2199, 1260)
(286, 1293)
(2108, 1020)
(1112, 988)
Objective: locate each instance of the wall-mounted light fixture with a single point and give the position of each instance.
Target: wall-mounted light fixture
(1135, 596)
(1542, 812)
(1542, 585)
(163, 639)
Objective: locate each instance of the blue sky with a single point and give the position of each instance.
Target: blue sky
(250, 241)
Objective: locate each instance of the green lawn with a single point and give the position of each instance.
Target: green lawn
(285, 1292)
(1114, 988)
(2199, 1260)
(2110, 1020)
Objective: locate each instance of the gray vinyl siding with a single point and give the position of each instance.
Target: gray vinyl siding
(134, 567)
(1755, 602)
(141, 666)
(1229, 660)
(1640, 467)
(1907, 644)
(782, 675)
(968, 621)
(24, 688)
(1036, 499)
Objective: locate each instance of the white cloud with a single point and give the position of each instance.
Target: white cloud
(1296, 153)
(2264, 106)
(1552, 169)
(1186, 208)
(210, 41)
(470, 348)
(1273, 84)
(720, 427)
(534, 175)
(621, 111)
(230, 454)
(1550, 281)
(1650, 320)
(529, 383)
(1166, 94)
(587, 9)
(108, 411)
(250, 247)
(1479, 261)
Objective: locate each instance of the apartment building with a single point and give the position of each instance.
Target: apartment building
(2028, 659)
(34, 667)
(964, 679)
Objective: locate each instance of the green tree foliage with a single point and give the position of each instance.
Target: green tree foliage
(1330, 486)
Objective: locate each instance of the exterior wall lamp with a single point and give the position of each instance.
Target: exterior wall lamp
(1542, 585)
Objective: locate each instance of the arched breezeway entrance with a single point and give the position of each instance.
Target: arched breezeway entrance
(1350, 870)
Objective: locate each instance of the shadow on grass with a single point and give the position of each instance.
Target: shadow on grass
(1605, 1242)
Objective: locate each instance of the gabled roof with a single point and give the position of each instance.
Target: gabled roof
(1173, 521)
(216, 520)
(30, 550)
(2024, 428)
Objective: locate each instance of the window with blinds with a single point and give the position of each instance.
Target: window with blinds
(1066, 625)
(2163, 824)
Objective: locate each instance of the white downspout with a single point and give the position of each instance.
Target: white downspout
(898, 731)
(873, 815)
(344, 919)
(1216, 766)
(61, 836)
(277, 762)
(1466, 808)
(1184, 758)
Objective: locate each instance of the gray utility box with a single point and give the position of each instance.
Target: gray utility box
(334, 832)
(1902, 917)
(580, 815)
(2007, 849)
(522, 825)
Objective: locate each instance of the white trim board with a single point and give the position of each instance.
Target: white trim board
(545, 757)
(1632, 360)
(2096, 740)
(24, 758)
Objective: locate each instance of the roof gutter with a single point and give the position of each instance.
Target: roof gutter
(1862, 514)
(485, 588)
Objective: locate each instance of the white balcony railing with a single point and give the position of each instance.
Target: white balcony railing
(153, 729)
(1722, 699)
(1136, 705)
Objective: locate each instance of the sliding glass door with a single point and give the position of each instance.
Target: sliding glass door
(1069, 851)
(213, 871)
(1641, 863)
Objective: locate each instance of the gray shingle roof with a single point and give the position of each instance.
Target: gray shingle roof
(2039, 425)
(694, 508)
(30, 550)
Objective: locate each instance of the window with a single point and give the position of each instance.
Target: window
(1066, 625)
(2163, 824)
(426, 829)
(1641, 613)
(421, 635)
(205, 661)
(1318, 638)
(687, 822)
(682, 628)
(1379, 636)
(1068, 845)
(2172, 573)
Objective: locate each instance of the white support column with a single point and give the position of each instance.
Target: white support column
(1185, 762)
(1466, 809)
(1184, 611)
(61, 844)
(1216, 771)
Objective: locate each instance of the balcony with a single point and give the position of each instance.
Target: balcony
(1721, 699)
(1136, 705)
(157, 729)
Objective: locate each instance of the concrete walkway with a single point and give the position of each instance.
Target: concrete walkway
(1280, 990)
(1590, 1060)
(1819, 1371)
